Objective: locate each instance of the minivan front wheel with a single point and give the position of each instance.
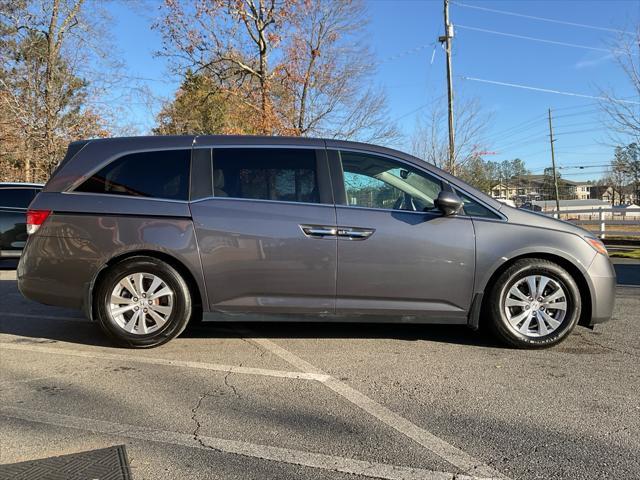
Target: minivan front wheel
(142, 302)
(534, 303)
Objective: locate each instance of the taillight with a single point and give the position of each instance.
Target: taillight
(35, 218)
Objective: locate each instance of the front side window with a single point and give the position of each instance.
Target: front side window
(16, 197)
(377, 182)
(283, 174)
(159, 174)
(475, 209)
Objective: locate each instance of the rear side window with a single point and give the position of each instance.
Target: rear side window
(159, 174)
(16, 197)
(284, 174)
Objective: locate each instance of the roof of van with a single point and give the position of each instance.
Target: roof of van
(88, 155)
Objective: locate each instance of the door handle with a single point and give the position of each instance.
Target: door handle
(318, 231)
(353, 233)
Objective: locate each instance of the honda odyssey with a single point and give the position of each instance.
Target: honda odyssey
(148, 234)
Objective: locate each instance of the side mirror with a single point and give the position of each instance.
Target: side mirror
(448, 203)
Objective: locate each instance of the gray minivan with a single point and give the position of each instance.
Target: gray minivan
(146, 234)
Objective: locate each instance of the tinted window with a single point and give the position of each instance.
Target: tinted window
(287, 175)
(474, 209)
(377, 182)
(161, 174)
(16, 197)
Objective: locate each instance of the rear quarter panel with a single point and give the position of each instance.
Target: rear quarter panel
(64, 257)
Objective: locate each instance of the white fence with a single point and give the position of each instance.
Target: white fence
(616, 222)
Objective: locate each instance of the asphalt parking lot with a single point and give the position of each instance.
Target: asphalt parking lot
(252, 400)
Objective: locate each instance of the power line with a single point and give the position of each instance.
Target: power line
(579, 114)
(415, 110)
(516, 140)
(523, 126)
(534, 39)
(543, 19)
(570, 152)
(536, 137)
(580, 124)
(580, 105)
(546, 90)
(539, 137)
(584, 145)
(517, 127)
(580, 131)
(409, 51)
(546, 150)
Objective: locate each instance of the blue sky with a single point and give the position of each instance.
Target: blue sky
(402, 34)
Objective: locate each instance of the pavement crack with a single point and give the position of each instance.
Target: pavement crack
(194, 419)
(594, 343)
(256, 346)
(229, 385)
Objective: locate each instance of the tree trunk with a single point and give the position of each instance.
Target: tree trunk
(27, 168)
(264, 72)
(49, 78)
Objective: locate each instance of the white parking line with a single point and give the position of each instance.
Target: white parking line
(263, 452)
(7, 274)
(164, 361)
(428, 440)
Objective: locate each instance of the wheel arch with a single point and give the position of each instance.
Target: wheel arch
(181, 268)
(573, 270)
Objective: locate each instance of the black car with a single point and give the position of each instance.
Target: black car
(14, 200)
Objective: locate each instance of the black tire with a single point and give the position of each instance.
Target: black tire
(175, 322)
(196, 320)
(521, 269)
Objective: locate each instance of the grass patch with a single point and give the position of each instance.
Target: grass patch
(626, 254)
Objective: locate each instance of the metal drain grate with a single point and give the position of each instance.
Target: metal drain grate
(103, 464)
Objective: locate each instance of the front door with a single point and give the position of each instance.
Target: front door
(397, 254)
(266, 235)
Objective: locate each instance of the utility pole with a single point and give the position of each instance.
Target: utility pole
(447, 39)
(553, 165)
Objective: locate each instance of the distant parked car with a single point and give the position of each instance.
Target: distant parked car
(531, 206)
(147, 233)
(506, 201)
(14, 200)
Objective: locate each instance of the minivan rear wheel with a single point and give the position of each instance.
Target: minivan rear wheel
(534, 303)
(142, 302)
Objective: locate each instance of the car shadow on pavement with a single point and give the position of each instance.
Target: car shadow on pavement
(79, 331)
(35, 330)
(454, 334)
(34, 323)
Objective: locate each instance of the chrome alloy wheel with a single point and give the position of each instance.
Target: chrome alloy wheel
(141, 303)
(535, 305)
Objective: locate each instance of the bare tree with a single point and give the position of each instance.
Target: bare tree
(429, 140)
(326, 65)
(624, 114)
(300, 66)
(230, 41)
